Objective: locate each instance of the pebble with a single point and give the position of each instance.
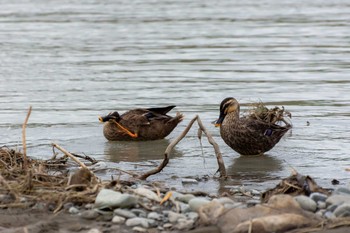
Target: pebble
(192, 215)
(306, 203)
(342, 191)
(329, 215)
(167, 225)
(89, 214)
(255, 192)
(174, 217)
(132, 222)
(107, 198)
(154, 215)
(337, 199)
(139, 229)
(251, 203)
(321, 205)
(118, 220)
(176, 195)
(89, 206)
(189, 181)
(73, 210)
(94, 230)
(124, 213)
(318, 197)
(197, 202)
(342, 210)
(147, 193)
(184, 224)
(184, 207)
(186, 198)
(68, 205)
(139, 213)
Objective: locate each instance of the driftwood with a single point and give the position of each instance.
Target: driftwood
(25, 162)
(168, 150)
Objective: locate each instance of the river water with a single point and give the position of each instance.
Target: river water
(75, 60)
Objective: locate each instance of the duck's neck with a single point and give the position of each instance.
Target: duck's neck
(233, 116)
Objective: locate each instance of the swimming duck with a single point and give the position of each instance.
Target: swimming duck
(140, 124)
(246, 135)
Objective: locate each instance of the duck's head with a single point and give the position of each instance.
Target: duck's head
(111, 116)
(228, 105)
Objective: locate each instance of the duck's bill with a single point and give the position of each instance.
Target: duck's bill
(220, 120)
(100, 119)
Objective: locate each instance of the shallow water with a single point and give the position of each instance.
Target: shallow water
(75, 60)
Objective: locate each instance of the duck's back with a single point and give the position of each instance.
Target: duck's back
(251, 137)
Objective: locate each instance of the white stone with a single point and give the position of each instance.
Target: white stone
(118, 220)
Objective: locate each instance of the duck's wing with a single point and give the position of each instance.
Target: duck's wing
(161, 111)
(264, 128)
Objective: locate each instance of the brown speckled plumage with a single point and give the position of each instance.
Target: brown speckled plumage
(148, 124)
(245, 135)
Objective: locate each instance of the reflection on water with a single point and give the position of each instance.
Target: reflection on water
(254, 168)
(137, 151)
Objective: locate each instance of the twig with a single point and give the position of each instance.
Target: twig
(86, 157)
(25, 162)
(70, 156)
(167, 152)
(211, 140)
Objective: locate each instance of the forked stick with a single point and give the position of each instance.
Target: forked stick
(70, 156)
(25, 162)
(160, 167)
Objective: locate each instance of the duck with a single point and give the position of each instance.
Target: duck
(246, 135)
(140, 124)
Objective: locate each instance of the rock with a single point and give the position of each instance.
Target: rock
(281, 213)
(197, 202)
(189, 181)
(111, 199)
(316, 197)
(255, 192)
(139, 213)
(89, 206)
(73, 210)
(210, 213)
(306, 203)
(68, 205)
(321, 205)
(184, 207)
(155, 216)
(225, 200)
(144, 222)
(337, 199)
(192, 215)
(167, 225)
(139, 229)
(118, 220)
(174, 217)
(186, 198)
(274, 223)
(89, 214)
(94, 230)
(176, 195)
(184, 224)
(98, 165)
(252, 202)
(342, 210)
(329, 215)
(342, 191)
(124, 213)
(147, 193)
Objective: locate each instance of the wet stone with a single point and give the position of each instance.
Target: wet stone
(316, 197)
(139, 229)
(139, 213)
(342, 191)
(73, 210)
(189, 181)
(132, 222)
(186, 198)
(155, 216)
(197, 202)
(306, 203)
(329, 215)
(89, 214)
(183, 224)
(321, 205)
(192, 216)
(342, 210)
(255, 192)
(112, 199)
(174, 217)
(124, 213)
(118, 220)
(337, 199)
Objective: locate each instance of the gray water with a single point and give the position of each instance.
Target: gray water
(75, 60)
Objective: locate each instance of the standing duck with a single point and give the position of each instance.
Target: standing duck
(140, 124)
(246, 135)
